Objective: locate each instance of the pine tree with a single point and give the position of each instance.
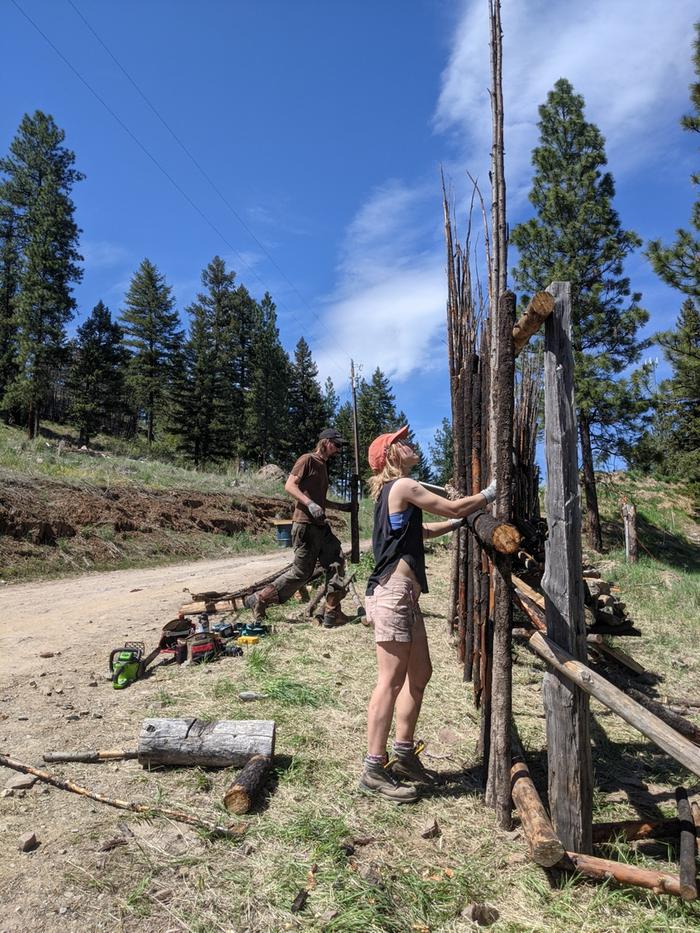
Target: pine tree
(9, 284)
(441, 453)
(267, 421)
(245, 336)
(307, 411)
(331, 402)
(152, 333)
(577, 237)
(679, 265)
(207, 405)
(376, 413)
(96, 374)
(40, 261)
(342, 467)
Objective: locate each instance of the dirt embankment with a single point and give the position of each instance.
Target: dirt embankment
(48, 527)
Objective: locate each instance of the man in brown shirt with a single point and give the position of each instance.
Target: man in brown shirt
(312, 537)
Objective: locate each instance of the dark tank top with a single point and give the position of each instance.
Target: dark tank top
(390, 545)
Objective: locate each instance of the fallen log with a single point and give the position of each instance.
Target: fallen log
(538, 310)
(686, 861)
(674, 720)
(692, 702)
(630, 830)
(604, 870)
(207, 744)
(233, 832)
(493, 534)
(545, 846)
(677, 746)
(621, 657)
(240, 795)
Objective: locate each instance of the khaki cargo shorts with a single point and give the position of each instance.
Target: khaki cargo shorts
(394, 612)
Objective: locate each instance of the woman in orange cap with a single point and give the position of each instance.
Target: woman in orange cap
(393, 589)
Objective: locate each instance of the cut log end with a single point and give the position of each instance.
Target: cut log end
(507, 539)
(240, 796)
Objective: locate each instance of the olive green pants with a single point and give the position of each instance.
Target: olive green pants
(311, 543)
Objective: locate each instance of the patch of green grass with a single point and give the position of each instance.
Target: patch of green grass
(292, 693)
(137, 901)
(258, 660)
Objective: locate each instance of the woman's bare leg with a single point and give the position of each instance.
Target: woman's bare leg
(393, 664)
(410, 698)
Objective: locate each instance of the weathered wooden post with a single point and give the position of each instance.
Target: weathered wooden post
(629, 518)
(566, 706)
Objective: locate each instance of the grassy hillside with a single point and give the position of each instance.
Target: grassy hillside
(65, 510)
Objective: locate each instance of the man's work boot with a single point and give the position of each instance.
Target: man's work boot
(258, 602)
(334, 615)
(379, 781)
(409, 767)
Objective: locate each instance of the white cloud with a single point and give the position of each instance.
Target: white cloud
(631, 61)
(389, 306)
(101, 254)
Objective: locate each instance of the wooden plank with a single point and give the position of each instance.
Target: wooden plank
(677, 746)
(566, 707)
(538, 310)
(208, 744)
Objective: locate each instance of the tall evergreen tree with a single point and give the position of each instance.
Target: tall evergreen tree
(307, 411)
(376, 413)
(576, 236)
(679, 264)
(331, 402)
(152, 333)
(40, 261)
(207, 406)
(267, 423)
(9, 284)
(245, 337)
(441, 453)
(96, 374)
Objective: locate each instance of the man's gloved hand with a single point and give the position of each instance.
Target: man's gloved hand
(316, 511)
(489, 493)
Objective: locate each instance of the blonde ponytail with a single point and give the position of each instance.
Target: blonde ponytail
(392, 470)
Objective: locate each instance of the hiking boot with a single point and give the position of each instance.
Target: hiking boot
(259, 601)
(408, 767)
(332, 618)
(376, 779)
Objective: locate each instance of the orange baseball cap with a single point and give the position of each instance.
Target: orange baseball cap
(380, 445)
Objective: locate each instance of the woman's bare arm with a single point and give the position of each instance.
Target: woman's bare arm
(409, 491)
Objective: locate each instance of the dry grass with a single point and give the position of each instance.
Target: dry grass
(167, 877)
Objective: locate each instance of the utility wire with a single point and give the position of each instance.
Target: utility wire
(158, 165)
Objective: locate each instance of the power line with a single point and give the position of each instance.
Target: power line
(159, 166)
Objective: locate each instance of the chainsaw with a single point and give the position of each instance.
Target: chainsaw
(126, 664)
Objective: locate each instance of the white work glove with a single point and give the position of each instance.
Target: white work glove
(489, 493)
(315, 510)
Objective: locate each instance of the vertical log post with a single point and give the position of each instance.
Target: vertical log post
(629, 518)
(498, 789)
(689, 888)
(566, 706)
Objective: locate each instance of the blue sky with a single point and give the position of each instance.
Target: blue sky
(323, 126)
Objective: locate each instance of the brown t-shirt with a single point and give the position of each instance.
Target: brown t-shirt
(313, 482)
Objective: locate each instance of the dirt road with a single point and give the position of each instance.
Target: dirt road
(63, 701)
(88, 615)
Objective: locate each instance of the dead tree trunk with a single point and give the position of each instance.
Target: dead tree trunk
(566, 707)
(594, 534)
(498, 782)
